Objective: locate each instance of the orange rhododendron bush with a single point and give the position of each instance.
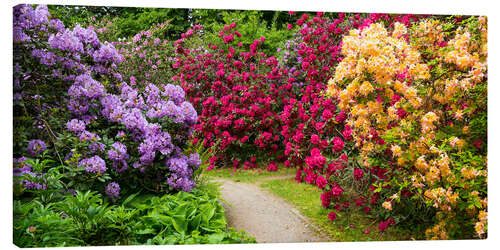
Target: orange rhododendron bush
(417, 103)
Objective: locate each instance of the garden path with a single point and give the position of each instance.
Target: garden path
(264, 216)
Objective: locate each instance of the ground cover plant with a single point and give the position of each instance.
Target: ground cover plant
(379, 117)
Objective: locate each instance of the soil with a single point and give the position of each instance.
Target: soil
(264, 216)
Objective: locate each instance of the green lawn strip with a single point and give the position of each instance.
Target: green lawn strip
(306, 198)
(248, 176)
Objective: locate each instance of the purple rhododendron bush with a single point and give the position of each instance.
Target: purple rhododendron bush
(75, 106)
(384, 114)
(87, 142)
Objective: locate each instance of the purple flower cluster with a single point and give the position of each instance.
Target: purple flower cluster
(112, 190)
(75, 126)
(86, 36)
(88, 136)
(21, 168)
(35, 147)
(118, 153)
(47, 58)
(194, 160)
(119, 156)
(93, 164)
(34, 185)
(66, 41)
(96, 147)
(85, 87)
(107, 53)
(189, 113)
(25, 18)
(175, 93)
(181, 176)
(129, 108)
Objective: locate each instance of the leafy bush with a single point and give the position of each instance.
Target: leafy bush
(184, 218)
(251, 24)
(86, 220)
(38, 225)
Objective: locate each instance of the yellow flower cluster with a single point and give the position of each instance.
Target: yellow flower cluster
(456, 142)
(471, 173)
(480, 225)
(427, 35)
(373, 51)
(381, 64)
(427, 122)
(460, 54)
(437, 232)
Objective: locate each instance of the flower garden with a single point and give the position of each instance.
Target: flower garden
(385, 115)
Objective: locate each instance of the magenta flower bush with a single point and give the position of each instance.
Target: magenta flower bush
(238, 93)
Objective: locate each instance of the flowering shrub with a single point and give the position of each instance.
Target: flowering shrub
(238, 94)
(317, 139)
(149, 58)
(107, 134)
(416, 101)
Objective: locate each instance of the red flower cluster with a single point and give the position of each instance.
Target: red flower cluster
(238, 94)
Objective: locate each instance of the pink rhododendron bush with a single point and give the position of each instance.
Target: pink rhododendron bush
(239, 93)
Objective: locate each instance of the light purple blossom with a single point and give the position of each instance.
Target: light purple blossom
(189, 113)
(194, 160)
(66, 41)
(35, 147)
(174, 93)
(93, 164)
(87, 36)
(88, 136)
(107, 53)
(75, 126)
(118, 153)
(112, 190)
(96, 147)
(21, 167)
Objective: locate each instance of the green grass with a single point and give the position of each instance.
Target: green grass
(306, 198)
(248, 176)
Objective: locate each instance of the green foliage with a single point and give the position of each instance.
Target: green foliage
(133, 20)
(252, 24)
(184, 218)
(48, 228)
(88, 213)
(86, 219)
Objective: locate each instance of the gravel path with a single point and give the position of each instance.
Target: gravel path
(266, 217)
